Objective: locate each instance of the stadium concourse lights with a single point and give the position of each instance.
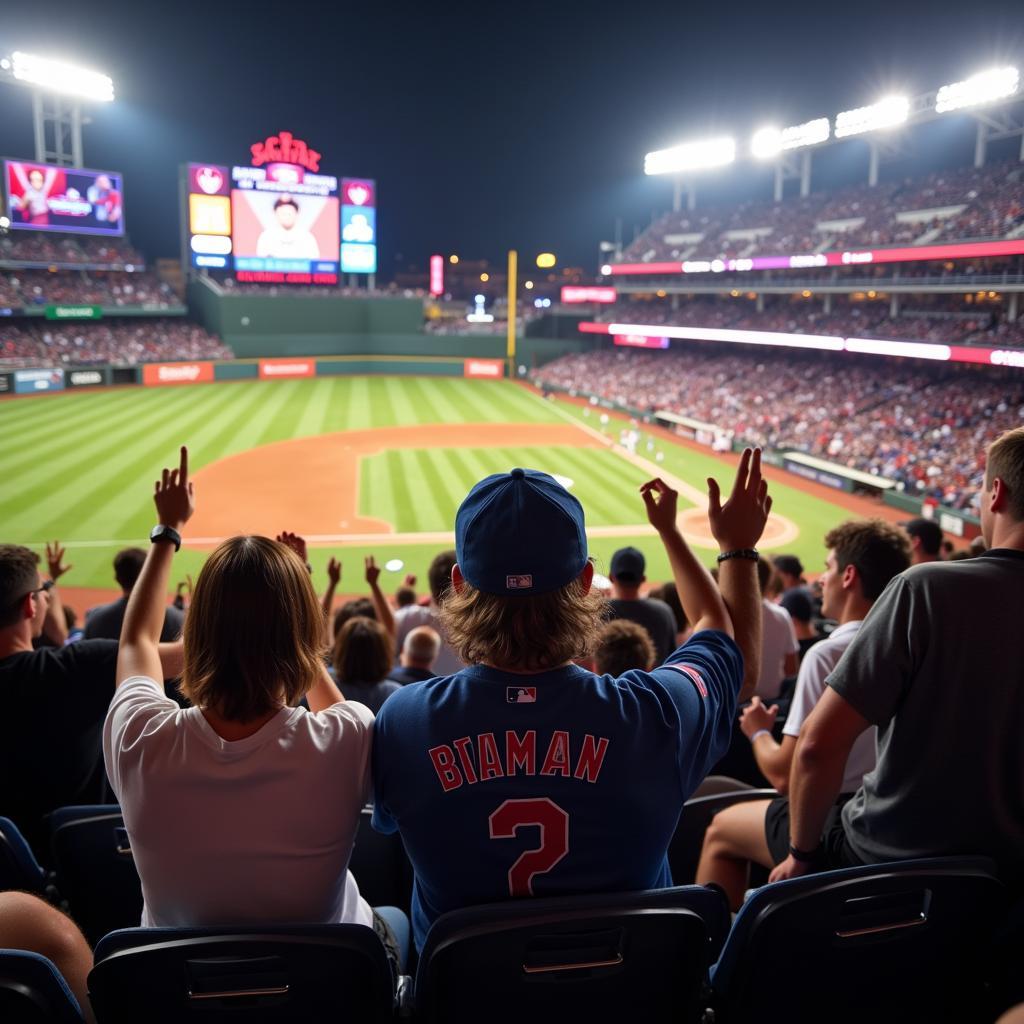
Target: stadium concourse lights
(770, 142)
(59, 77)
(887, 113)
(691, 156)
(984, 87)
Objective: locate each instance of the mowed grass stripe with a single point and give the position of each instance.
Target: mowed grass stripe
(43, 451)
(423, 510)
(432, 402)
(603, 506)
(462, 473)
(44, 418)
(443, 491)
(403, 510)
(133, 470)
(314, 411)
(617, 477)
(104, 446)
(475, 408)
(405, 401)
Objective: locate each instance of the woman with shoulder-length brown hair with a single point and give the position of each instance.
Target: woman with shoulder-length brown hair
(243, 808)
(362, 657)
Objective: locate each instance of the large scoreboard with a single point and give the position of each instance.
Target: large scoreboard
(41, 197)
(279, 219)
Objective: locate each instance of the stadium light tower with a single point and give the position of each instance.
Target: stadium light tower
(779, 144)
(58, 90)
(981, 91)
(700, 155)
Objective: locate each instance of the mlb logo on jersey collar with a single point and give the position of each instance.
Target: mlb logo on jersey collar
(521, 694)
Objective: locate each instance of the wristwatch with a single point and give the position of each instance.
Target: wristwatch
(161, 532)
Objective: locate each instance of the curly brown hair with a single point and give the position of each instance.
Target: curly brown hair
(526, 633)
(623, 645)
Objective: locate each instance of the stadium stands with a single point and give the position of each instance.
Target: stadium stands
(923, 428)
(122, 342)
(28, 248)
(954, 205)
(33, 288)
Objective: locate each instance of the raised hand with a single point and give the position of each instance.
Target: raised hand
(372, 571)
(756, 716)
(173, 495)
(740, 522)
(55, 561)
(295, 542)
(661, 503)
(333, 572)
(410, 580)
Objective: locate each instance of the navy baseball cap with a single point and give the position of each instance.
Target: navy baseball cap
(628, 565)
(520, 533)
(798, 603)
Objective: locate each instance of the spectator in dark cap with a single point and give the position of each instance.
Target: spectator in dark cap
(627, 575)
(790, 570)
(104, 621)
(925, 540)
(801, 611)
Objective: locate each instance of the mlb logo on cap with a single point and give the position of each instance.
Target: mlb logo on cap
(521, 695)
(518, 582)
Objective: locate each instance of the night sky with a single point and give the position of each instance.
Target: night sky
(491, 126)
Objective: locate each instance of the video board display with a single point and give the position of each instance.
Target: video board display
(67, 199)
(280, 219)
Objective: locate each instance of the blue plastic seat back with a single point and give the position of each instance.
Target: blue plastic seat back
(19, 868)
(623, 956)
(311, 973)
(96, 873)
(33, 991)
(900, 941)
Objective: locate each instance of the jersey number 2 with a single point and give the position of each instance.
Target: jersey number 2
(553, 822)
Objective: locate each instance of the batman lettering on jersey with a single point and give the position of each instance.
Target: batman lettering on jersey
(472, 759)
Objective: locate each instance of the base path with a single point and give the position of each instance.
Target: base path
(311, 485)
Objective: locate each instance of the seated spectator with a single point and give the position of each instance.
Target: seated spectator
(801, 611)
(222, 800)
(358, 607)
(405, 596)
(791, 572)
(925, 540)
(779, 647)
(627, 575)
(55, 699)
(104, 621)
(361, 660)
(419, 652)
(863, 556)
(623, 645)
(439, 576)
(71, 621)
(947, 710)
(28, 923)
(525, 738)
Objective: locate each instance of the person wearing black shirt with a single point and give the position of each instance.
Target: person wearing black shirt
(55, 700)
(627, 574)
(105, 620)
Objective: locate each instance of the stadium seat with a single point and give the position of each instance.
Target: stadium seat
(684, 850)
(19, 868)
(95, 870)
(33, 991)
(381, 867)
(333, 973)
(617, 957)
(883, 942)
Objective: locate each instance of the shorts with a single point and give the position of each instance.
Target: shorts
(835, 849)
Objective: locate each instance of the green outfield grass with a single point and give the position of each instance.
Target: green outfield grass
(79, 466)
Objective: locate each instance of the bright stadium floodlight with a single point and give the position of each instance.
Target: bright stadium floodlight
(691, 156)
(984, 87)
(887, 113)
(770, 142)
(61, 77)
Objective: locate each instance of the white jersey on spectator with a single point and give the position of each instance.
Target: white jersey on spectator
(778, 640)
(250, 831)
(818, 662)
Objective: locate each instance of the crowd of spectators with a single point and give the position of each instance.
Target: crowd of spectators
(40, 247)
(921, 427)
(961, 204)
(124, 341)
(32, 288)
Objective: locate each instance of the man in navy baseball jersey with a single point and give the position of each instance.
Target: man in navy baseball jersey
(526, 775)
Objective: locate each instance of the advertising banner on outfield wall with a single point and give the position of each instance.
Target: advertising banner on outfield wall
(6, 383)
(489, 368)
(176, 373)
(31, 382)
(87, 378)
(272, 369)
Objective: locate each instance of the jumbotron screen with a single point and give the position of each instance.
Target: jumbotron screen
(68, 199)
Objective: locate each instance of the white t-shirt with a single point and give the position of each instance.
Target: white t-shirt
(250, 831)
(407, 619)
(778, 638)
(810, 685)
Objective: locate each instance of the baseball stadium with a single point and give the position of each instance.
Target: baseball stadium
(519, 634)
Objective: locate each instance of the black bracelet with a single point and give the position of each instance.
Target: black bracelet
(804, 856)
(751, 554)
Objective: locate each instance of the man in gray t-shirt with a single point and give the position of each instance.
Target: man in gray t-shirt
(937, 667)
